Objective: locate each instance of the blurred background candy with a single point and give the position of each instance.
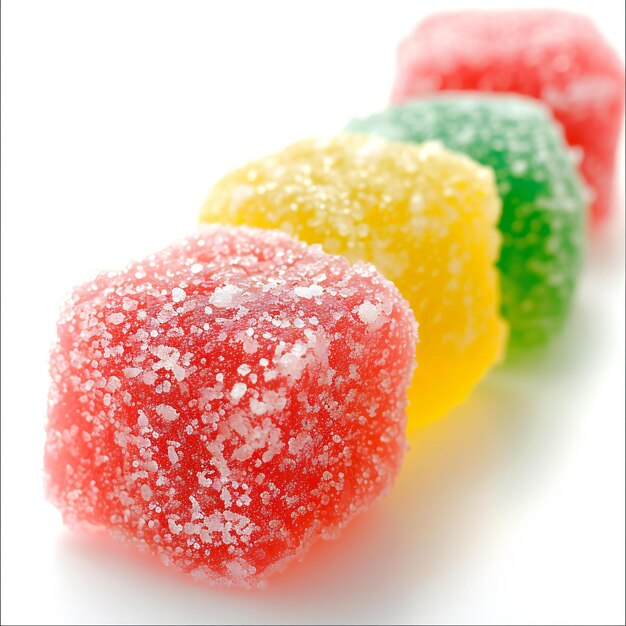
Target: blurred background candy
(543, 207)
(555, 56)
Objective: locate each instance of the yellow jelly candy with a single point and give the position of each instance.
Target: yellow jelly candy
(424, 216)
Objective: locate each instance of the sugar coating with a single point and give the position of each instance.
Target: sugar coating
(555, 56)
(424, 216)
(543, 207)
(204, 408)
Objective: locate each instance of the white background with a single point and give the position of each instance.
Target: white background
(116, 118)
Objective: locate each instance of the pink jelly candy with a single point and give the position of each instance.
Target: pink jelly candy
(228, 400)
(560, 58)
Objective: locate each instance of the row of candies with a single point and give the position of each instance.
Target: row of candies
(230, 399)
(368, 199)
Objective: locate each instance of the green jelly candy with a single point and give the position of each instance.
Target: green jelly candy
(543, 198)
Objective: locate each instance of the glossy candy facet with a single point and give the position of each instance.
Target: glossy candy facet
(228, 400)
(560, 58)
(543, 211)
(424, 216)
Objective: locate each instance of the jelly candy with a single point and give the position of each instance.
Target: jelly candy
(558, 57)
(228, 400)
(424, 216)
(542, 221)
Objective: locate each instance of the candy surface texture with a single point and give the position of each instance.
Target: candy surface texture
(228, 400)
(543, 214)
(424, 216)
(558, 57)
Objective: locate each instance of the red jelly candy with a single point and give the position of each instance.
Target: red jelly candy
(228, 400)
(560, 58)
